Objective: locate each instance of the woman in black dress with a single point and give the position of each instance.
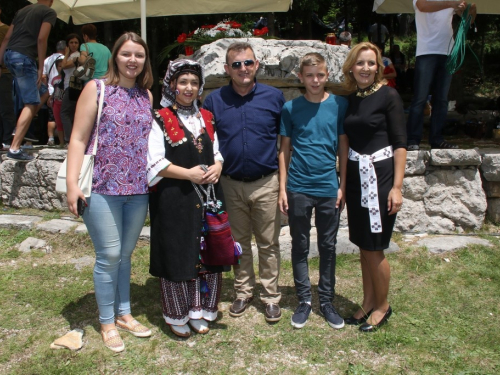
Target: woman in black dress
(182, 139)
(376, 128)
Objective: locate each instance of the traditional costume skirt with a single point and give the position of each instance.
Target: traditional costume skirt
(193, 299)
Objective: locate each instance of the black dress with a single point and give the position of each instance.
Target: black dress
(372, 123)
(175, 213)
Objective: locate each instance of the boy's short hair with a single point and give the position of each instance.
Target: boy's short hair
(311, 59)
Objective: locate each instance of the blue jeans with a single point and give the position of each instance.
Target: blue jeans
(25, 73)
(431, 77)
(327, 219)
(114, 224)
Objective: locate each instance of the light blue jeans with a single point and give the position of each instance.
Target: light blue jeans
(114, 224)
(431, 77)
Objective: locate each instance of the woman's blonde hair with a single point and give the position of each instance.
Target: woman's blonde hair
(349, 81)
(145, 78)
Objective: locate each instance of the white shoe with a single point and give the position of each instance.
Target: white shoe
(181, 331)
(199, 325)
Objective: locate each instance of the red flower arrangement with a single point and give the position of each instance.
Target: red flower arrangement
(182, 38)
(206, 34)
(259, 32)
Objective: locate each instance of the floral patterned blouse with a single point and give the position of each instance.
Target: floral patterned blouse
(121, 158)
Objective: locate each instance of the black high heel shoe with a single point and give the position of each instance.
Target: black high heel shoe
(370, 328)
(356, 322)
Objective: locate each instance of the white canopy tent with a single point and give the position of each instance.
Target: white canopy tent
(88, 11)
(406, 6)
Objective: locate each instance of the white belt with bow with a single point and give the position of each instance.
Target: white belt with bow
(369, 188)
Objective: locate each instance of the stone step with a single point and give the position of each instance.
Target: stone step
(435, 244)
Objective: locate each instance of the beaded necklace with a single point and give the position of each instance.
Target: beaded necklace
(363, 93)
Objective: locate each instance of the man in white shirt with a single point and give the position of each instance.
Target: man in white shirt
(434, 42)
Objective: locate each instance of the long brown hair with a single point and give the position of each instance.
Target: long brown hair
(349, 81)
(145, 78)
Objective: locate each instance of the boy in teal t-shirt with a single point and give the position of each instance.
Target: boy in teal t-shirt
(313, 126)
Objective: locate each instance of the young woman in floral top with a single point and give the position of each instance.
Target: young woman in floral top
(117, 207)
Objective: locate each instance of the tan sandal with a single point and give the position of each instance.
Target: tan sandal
(133, 327)
(113, 341)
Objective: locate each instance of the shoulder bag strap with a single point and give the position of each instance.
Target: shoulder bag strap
(99, 112)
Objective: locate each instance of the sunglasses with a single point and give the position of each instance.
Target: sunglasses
(237, 64)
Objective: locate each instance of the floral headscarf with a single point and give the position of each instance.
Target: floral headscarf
(175, 69)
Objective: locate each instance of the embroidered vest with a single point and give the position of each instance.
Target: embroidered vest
(174, 132)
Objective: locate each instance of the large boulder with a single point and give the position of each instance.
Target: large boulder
(279, 61)
(33, 184)
(443, 201)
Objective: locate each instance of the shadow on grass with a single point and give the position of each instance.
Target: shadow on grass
(145, 301)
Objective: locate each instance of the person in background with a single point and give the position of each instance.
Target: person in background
(374, 125)
(55, 100)
(247, 117)
(98, 51)
(399, 61)
(26, 40)
(116, 210)
(49, 72)
(69, 64)
(378, 35)
(101, 54)
(7, 116)
(434, 43)
(345, 39)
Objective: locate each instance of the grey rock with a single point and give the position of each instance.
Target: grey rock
(52, 154)
(414, 188)
(491, 167)
(456, 195)
(279, 61)
(494, 209)
(492, 189)
(344, 246)
(412, 218)
(57, 226)
(455, 157)
(81, 228)
(32, 243)
(18, 221)
(82, 262)
(441, 244)
(145, 233)
(416, 162)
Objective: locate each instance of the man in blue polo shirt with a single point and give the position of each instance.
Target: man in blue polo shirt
(247, 116)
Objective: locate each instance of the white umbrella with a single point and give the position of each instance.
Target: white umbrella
(88, 11)
(406, 6)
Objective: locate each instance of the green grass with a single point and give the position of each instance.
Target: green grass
(445, 319)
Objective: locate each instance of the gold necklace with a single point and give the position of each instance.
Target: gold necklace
(363, 93)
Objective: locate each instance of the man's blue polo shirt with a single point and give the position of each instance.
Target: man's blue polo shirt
(247, 128)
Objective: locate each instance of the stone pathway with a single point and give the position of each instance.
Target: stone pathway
(434, 243)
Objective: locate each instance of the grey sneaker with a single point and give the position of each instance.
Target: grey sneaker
(20, 156)
(412, 148)
(332, 316)
(301, 314)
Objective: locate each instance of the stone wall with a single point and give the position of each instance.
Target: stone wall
(445, 191)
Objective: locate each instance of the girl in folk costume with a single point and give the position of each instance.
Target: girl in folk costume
(182, 139)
